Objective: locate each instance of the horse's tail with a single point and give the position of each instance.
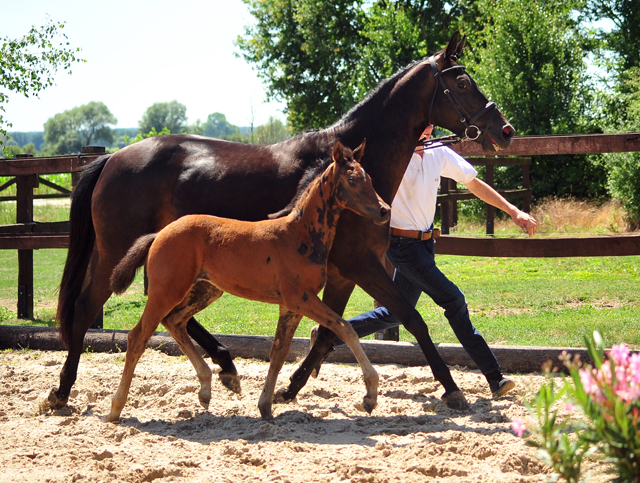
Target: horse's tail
(125, 271)
(81, 239)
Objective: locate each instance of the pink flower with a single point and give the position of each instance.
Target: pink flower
(588, 382)
(634, 369)
(518, 426)
(619, 353)
(569, 407)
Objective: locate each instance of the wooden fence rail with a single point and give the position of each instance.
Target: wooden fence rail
(27, 235)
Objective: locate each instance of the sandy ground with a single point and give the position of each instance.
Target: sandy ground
(165, 436)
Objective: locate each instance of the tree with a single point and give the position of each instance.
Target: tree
(68, 131)
(28, 64)
(217, 126)
(529, 57)
(273, 131)
(171, 115)
(322, 57)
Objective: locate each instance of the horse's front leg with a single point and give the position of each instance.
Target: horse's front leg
(336, 295)
(318, 311)
(287, 325)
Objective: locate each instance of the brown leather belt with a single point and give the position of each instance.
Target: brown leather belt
(418, 235)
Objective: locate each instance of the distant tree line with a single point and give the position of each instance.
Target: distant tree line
(91, 124)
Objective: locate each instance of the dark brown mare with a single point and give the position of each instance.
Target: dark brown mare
(147, 185)
(192, 261)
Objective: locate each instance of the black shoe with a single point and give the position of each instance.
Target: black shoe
(501, 387)
(312, 340)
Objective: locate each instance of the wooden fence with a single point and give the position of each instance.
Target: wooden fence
(27, 235)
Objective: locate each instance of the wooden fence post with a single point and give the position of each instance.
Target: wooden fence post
(24, 214)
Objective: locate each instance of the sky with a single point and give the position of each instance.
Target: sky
(140, 52)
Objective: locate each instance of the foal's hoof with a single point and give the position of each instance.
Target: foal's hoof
(455, 400)
(369, 404)
(231, 382)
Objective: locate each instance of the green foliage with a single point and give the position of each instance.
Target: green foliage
(306, 51)
(139, 137)
(171, 115)
(273, 131)
(323, 57)
(28, 64)
(623, 169)
(624, 38)
(217, 126)
(529, 57)
(67, 132)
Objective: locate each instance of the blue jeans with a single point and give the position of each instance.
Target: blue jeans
(416, 272)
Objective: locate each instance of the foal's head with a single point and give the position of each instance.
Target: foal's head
(354, 190)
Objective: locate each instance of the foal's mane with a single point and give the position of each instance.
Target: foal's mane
(305, 183)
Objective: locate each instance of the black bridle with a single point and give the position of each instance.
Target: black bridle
(471, 131)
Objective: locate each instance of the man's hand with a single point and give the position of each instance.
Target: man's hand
(525, 221)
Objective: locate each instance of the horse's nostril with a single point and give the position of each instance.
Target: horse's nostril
(508, 131)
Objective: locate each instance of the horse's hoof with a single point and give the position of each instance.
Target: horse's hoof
(204, 401)
(455, 400)
(52, 401)
(265, 412)
(369, 404)
(282, 397)
(231, 382)
(111, 418)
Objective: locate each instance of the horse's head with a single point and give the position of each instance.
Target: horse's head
(353, 188)
(460, 106)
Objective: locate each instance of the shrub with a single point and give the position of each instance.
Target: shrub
(601, 414)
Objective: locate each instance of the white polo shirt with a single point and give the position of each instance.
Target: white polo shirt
(414, 205)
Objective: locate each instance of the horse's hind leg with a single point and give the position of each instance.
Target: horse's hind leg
(287, 325)
(201, 295)
(219, 354)
(136, 344)
(87, 307)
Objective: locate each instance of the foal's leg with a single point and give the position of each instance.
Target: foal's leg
(201, 295)
(287, 325)
(321, 313)
(136, 344)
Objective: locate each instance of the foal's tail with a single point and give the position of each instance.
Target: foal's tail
(125, 271)
(81, 239)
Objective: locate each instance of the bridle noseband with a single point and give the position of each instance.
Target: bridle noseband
(471, 131)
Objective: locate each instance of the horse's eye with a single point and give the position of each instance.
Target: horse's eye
(462, 84)
(352, 181)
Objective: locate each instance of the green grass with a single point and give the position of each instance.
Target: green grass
(513, 301)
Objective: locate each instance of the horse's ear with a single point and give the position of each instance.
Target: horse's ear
(359, 151)
(461, 46)
(337, 154)
(452, 49)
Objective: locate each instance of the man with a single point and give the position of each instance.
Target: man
(412, 253)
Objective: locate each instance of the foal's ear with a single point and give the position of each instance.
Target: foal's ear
(451, 52)
(338, 152)
(359, 151)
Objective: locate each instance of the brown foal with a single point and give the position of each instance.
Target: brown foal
(192, 261)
